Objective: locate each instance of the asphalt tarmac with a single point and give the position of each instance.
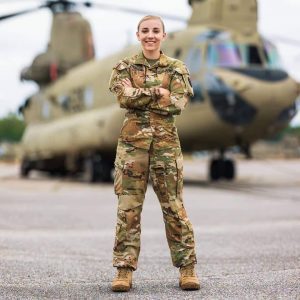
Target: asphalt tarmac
(56, 236)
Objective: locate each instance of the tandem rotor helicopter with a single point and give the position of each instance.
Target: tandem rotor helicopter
(242, 94)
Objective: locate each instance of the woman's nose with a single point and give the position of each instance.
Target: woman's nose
(150, 34)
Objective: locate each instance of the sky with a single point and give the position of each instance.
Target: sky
(22, 37)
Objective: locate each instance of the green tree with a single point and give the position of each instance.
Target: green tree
(11, 128)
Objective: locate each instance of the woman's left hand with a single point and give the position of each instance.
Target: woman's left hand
(164, 97)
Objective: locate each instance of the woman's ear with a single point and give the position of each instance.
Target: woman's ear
(138, 36)
(164, 36)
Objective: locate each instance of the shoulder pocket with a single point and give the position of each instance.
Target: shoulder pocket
(184, 73)
(121, 65)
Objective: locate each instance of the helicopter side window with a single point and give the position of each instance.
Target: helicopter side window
(272, 55)
(193, 60)
(198, 95)
(64, 101)
(46, 109)
(224, 55)
(88, 97)
(177, 52)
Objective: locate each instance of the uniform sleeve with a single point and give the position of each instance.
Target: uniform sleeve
(180, 91)
(129, 97)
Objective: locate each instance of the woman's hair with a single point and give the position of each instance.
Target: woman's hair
(151, 18)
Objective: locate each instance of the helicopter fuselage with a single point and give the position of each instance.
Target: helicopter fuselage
(241, 95)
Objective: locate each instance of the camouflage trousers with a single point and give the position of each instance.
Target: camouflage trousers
(133, 166)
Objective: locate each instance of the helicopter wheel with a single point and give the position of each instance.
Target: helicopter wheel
(215, 169)
(97, 169)
(229, 169)
(222, 168)
(25, 168)
(104, 170)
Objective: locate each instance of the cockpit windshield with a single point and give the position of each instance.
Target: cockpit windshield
(271, 54)
(229, 54)
(223, 54)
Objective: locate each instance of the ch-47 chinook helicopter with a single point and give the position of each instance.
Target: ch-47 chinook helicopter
(242, 94)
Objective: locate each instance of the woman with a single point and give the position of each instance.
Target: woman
(153, 88)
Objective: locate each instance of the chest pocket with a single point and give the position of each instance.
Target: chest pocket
(138, 75)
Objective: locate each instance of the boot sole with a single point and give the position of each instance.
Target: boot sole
(120, 288)
(191, 286)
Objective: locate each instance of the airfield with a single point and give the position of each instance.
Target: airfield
(56, 236)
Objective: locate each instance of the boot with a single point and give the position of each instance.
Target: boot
(188, 278)
(123, 280)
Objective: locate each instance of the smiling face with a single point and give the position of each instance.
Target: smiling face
(151, 34)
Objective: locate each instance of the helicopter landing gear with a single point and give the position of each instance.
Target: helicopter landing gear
(221, 168)
(25, 168)
(95, 168)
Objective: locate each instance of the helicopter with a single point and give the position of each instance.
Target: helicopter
(241, 93)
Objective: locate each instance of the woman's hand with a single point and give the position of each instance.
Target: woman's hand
(163, 97)
(126, 82)
(163, 93)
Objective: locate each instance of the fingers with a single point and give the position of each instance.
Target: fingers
(157, 92)
(126, 82)
(164, 92)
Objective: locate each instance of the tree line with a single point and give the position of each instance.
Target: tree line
(11, 128)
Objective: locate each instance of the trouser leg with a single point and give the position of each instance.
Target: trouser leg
(166, 166)
(130, 185)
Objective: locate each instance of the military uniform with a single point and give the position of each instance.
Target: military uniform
(149, 144)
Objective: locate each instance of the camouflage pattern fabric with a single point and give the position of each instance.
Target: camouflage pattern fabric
(149, 145)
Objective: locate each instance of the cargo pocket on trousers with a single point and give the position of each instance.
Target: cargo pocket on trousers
(179, 167)
(118, 181)
(159, 179)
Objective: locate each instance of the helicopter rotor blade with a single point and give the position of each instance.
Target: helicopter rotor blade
(131, 10)
(106, 6)
(285, 40)
(22, 12)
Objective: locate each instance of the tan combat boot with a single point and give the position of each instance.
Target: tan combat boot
(188, 278)
(123, 280)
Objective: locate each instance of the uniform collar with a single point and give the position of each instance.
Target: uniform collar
(141, 60)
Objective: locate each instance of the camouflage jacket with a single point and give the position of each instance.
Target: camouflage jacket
(167, 73)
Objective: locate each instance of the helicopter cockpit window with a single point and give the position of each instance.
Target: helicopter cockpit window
(254, 57)
(193, 60)
(272, 55)
(224, 55)
(250, 55)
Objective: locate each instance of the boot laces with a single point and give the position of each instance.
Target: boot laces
(188, 271)
(123, 273)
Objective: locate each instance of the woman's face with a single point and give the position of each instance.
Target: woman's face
(151, 34)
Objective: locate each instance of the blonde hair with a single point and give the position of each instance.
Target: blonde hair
(150, 17)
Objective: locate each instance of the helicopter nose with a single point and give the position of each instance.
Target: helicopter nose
(267, 75)
(227, 103)
(240, 95)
